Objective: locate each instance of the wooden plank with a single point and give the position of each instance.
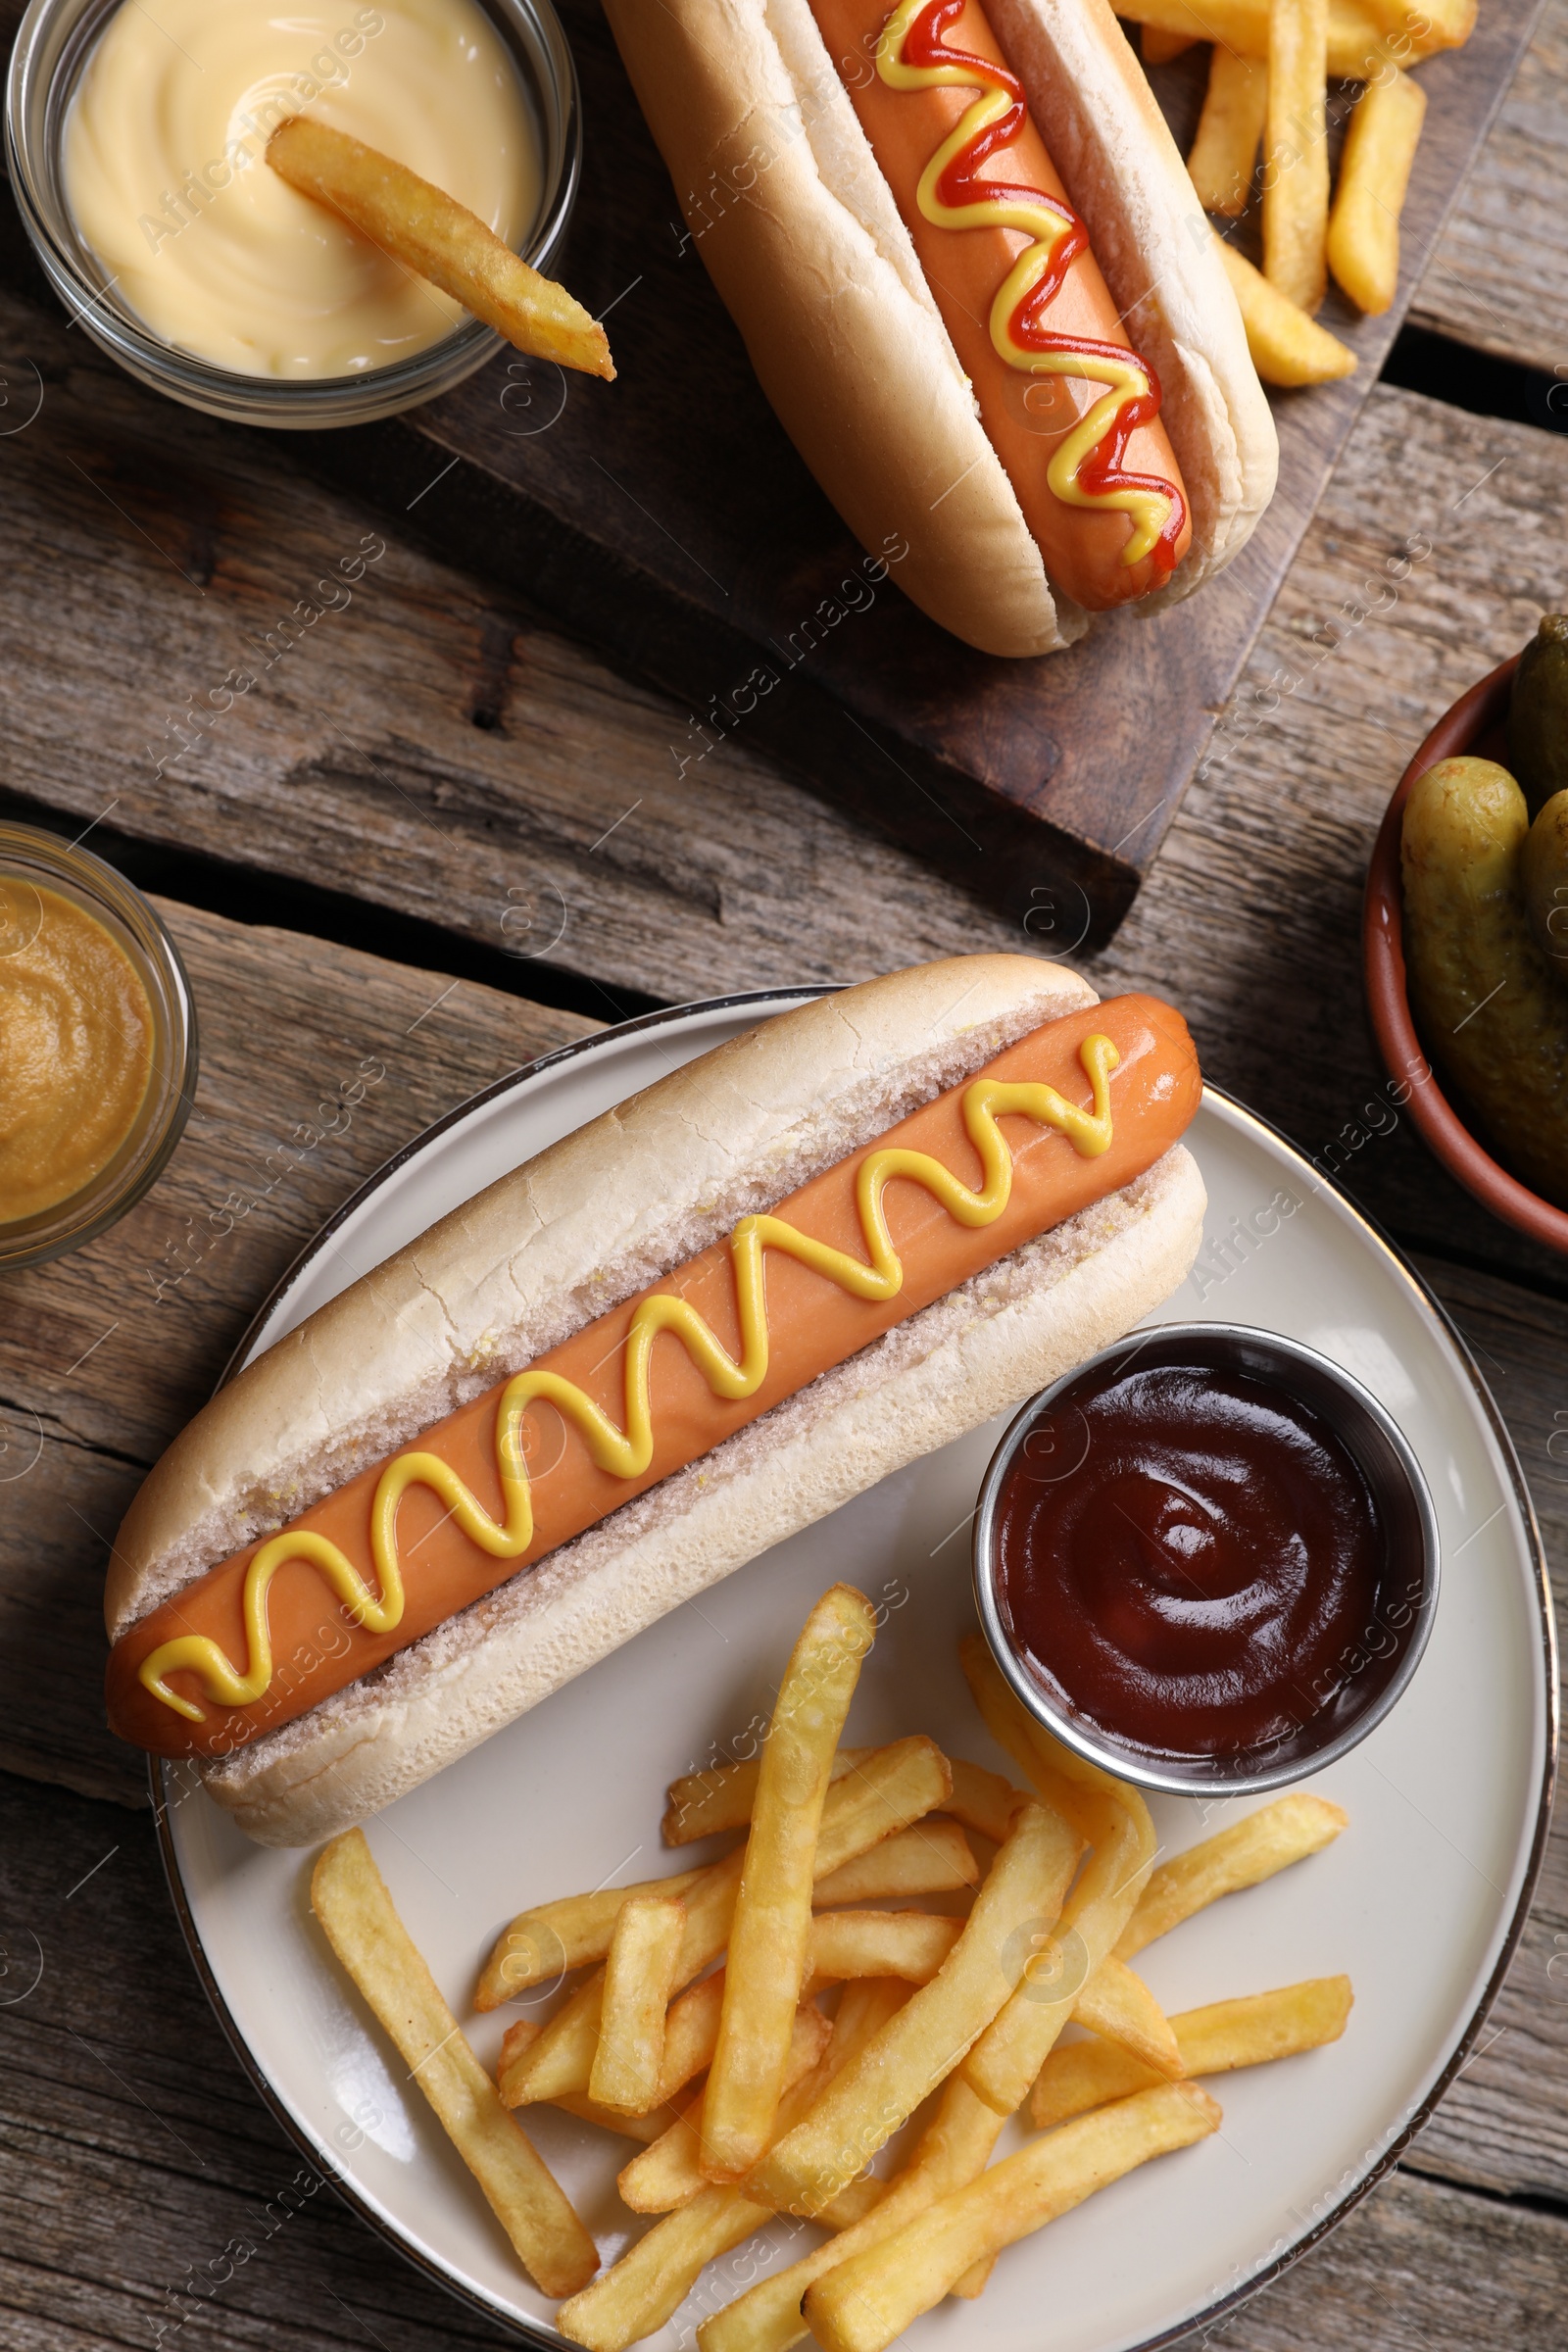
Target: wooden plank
(144, 2191)
(1251, 924)
(1498, 275)
(1418, 2268)
(316, 1065)
(426, 746)
(1505, 2123)
(356, 762)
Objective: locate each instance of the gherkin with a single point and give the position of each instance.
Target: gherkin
(1537, 713)
(1491, 1013)
(1544, 878)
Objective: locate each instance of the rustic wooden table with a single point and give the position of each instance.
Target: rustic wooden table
(440, 838)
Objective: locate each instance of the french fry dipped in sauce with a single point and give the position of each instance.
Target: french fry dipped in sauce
(431, 234)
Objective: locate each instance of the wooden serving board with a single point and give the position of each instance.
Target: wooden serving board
(668, 519)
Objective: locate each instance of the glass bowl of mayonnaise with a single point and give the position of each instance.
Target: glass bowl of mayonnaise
(136, 142)
(97, 1045)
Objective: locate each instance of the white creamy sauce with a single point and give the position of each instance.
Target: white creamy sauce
(165, 171)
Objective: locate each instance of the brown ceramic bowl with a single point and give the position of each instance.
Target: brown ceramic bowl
(1474, 724)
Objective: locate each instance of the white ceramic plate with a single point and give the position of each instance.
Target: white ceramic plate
(1420, 1901)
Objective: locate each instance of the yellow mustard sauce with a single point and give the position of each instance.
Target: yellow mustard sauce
(76, 1048)
(626, 1453)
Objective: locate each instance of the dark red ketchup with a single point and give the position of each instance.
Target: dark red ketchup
(1186, 1557)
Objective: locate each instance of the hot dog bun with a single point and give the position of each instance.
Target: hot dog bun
(540, 1255)
(797, 224)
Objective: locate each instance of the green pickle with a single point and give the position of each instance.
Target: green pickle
(1492, 1013)
(1544, 878)
(1537, 713)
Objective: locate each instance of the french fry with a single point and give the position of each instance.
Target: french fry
(1296, 152)
(560, 2063)
(667, 2172)
(971, 2284)
(954, 2149)
(1009, 2055)
(765, 1967)
(895, 1787)
(912, 1944)
(863, 2303)
(1374, 175)
(982, 1800)
(1241, 1855)
(698, 1804)
(653, 2279)
(647, 2127)
(1252, 2032)
(1119, 2006)
(701, 1803)
(866, 2103)
(691, 2035)
(439, 239)
(1068, 1783)
(639, 1978)
(931, 1858)
(1159, 48)
(885, 1791)
(357, 1914)
(553, 1938)
(1228, 132)
(1287, 346)
(523, 2031)
(1359, 46)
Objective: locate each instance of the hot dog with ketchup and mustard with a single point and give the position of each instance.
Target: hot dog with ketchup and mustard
(961, 245)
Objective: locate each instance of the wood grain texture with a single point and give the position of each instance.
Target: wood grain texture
(1498, 273)
(1252, 920)
(316, 1065)
(425, 746)
(146, 2196)
(562, 831)
(1504, 2122)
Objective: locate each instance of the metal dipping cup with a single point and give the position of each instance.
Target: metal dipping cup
(1407, 1593)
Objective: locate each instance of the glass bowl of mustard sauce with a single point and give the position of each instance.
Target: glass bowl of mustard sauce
(136, 139)
(1206, 1560)
(97, 1045)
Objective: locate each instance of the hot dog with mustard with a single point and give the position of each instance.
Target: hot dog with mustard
(1032, 1190)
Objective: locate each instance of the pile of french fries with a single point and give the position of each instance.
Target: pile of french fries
(1269, 70)
(699, 2030)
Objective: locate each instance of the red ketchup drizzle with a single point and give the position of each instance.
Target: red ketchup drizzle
(1100, 472)
(1186, 1558)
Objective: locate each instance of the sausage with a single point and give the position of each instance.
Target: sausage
(811, 1323)
(1027, 415)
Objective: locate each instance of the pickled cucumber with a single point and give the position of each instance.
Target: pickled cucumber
(1537, 713)
(1493, 1015)
(1544, 878)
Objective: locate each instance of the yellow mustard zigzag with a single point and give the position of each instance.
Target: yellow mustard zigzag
(627, 1453)
(1122, 372)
